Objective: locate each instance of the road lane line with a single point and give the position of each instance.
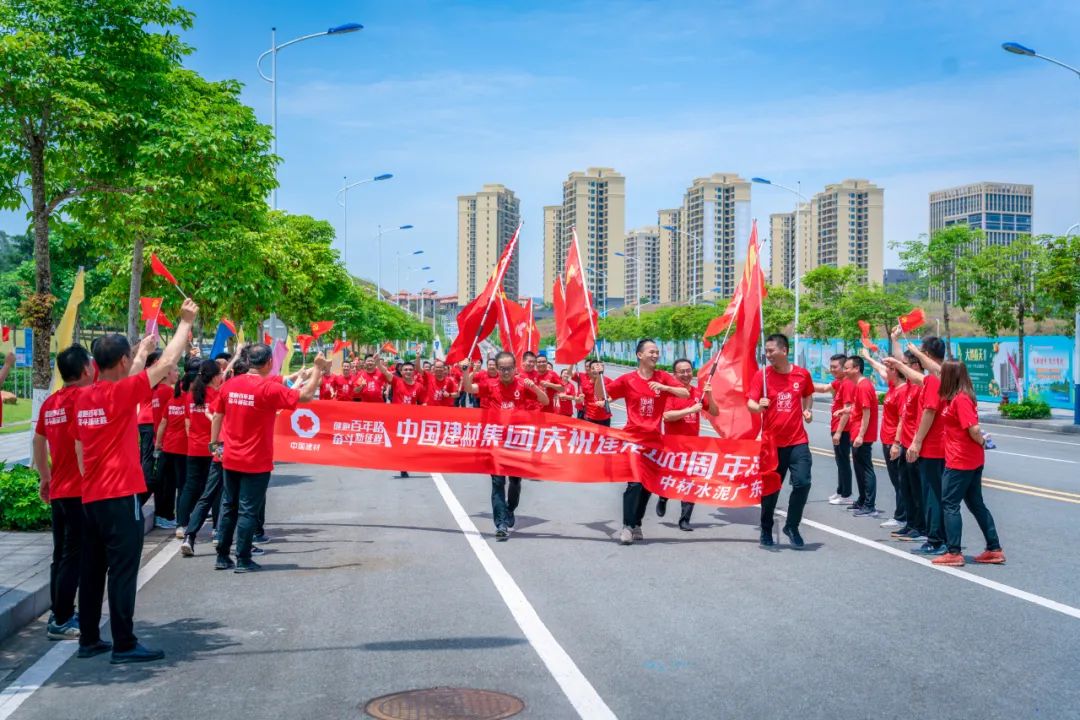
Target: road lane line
(1035, 457)
(39, 673)
(962, 574)
(578, 690)
(1023, 437)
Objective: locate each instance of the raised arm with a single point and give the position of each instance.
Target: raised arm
(177, 345)
(878, 367)
(307, 394)
(541, 396)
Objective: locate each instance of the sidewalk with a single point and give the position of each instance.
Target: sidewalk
(15, 448)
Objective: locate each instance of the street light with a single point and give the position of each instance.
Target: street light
(710, 290)
(343, 201)
(693, 260)
(799, 202)
(637, 284)
(272, 79)
(601, 277)
(397, 264)
(1018, 49)
(382, 232)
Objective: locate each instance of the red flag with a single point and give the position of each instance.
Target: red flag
(477, 319)
(576, 326)
(267, 340)
(164, 321)
(305, 342)
(864, 328)
(559, 305)
(7, 333)
(151, 307)
(388, 347)
(914, 319)
(513, 322)
(339, 345)
(321, 328)
(532, 335)
(158, 268)
(229, 324)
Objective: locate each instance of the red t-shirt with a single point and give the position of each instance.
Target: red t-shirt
(864, 398)
(909, 413)
(644, 408)
(344, 387)
(107, 427)
(510, 396)
(151, 413)
(368, 387)
(784, 416)
(933, 446)
(56, 423)
(405, 394)
(175, 438)
(566, 407)
(588, 390)
(890, 412)
(553, 401)
(327, 386)
(250, 404)
(198, 444)
(687, 424)
(439, 392)
(843, 394)
(961, 452)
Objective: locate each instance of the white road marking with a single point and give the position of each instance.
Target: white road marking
(995, 433)
(578, 690)
(963, 575)
(39, 673)
(1034, 457)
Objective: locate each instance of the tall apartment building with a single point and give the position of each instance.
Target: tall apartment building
(554, 250)
(594, 202)
(670, 249)
(486, 223)
(847, 226)
(642, 276)
(1003, 211)
(782, 245)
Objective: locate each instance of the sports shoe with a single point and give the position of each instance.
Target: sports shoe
(501, 533)
(794, 536)
(661, 507)
(137, 654)
(834, 496)
(766, 539)
(838, 500)
(260, 539)
(991, 557)
(636, 532)
(89, 651)
(256, 550)
(180, 532)
(67, 631)
(187, 548)
(626, 536)
(890, 523)
(927, 549)
(867, 512)
(164, 524)
(684, 525)
(224, 563)
(902, 533)
(949, 559)
(915, 536)
(246, 566)
(855, 507)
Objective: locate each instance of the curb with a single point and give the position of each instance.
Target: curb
(34, 598)
(1065, 428)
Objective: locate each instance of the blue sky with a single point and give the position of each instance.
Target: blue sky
(447, 96)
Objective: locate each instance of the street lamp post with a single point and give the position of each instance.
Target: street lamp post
(637, 284)
(693, 261)
(397, 265)
(602, 277)
(710, 290)
(343, 201)
(272, 79)
(1018, 49)
(800, 200)
(382, 232)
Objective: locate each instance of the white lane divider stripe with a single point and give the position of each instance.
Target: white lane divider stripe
(578, 690)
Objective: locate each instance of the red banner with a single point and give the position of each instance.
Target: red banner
(524, 444)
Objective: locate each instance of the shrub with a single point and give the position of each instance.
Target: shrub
(1026, 410)
(881, 398)
(21, 507)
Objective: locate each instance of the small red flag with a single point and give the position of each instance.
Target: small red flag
(159, 268)
(321, 327)
(914, 319)
(339, 345)
(151, 307)
(7, 333)
(164, 321)
(864, 328)
(267, 340)
(305, 342)
(388, 347)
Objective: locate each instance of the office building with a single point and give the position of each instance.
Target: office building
(486, 223)
(1003, 211)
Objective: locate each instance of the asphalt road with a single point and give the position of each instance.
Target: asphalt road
(371, 586)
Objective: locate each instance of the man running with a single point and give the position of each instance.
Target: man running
(550, 381)
(443, 390)
(510, 392)
(595, 409)
(683, 417)
(370, 383)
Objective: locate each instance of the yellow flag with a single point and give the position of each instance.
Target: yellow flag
(65, 331)
(239, 336)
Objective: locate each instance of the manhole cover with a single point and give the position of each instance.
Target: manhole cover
(444, 703)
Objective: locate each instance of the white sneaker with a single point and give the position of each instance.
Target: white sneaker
(626, 537)
(891, 523)
(186, 548)
(837, 500)
(179, 533)
(834, 496)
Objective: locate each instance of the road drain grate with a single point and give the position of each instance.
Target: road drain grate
(444, 703)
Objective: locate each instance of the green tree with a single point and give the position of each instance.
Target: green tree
(876, 305)
(825, 288)
(934, 263)
(778, 310)
(1059, 280)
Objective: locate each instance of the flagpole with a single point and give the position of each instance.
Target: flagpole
(501, 272)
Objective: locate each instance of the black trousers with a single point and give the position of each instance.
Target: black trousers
(635, 501)
(113, 549)
(796, 460)
(196, 474)
(243, 499)
(146, 459)
(966, 486)
(862, 461)
(686, 509)
(931, 471)
(68, 542)
(208, 502)
(842, 453)
(171, 479)
(504, 501)
(893, 468)
(911, 492)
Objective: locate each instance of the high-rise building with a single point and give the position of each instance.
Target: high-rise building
(1002, 211)
(486, 223)
(847, 227)
(782, 244)
(672, 269)
(643, 265)
(554, 249)
(594, 202)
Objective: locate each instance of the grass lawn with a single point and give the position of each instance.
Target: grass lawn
(16, 417)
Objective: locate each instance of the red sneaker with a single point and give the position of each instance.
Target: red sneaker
(949, 559)
(991, 557)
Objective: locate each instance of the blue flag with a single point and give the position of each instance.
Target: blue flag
(224, 332)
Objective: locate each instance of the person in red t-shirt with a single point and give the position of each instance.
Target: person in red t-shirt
(889, 432)
(148, 429)
(841, 389)
(406, 389)
(172, 444)
(202, 488)
(595, 408)
(242, 431)
(569, 395)
(490, 375)
(907, 366)
(646, 391)
(550, 381)
(369, 384)
(784, 395)
(442, 390)
(683, 417)
(862, 429)
(510, 392)
(965, 456)
(108, 457)
(61, 487)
